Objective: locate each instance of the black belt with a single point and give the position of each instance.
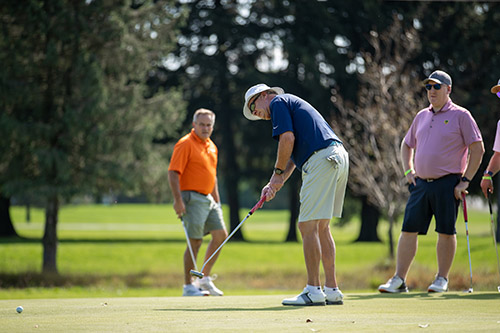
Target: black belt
(430, 180)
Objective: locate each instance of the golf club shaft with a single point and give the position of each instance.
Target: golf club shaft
(467, 234)
(493, 232)
(189, 244)
(257, 206)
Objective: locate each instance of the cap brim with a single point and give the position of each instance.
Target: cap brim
(495, 89)
(424, 82)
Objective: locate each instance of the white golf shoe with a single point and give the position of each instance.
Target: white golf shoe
(334, 297)
(192, 290)
(206, 284)
(439, 285)
(394, 285)
(306, 298)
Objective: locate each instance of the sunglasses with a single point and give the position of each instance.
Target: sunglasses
(436, 86)
(252, 105)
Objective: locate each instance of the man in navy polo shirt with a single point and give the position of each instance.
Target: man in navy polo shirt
(308, 143)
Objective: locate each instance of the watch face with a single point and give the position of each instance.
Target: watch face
(278, 171)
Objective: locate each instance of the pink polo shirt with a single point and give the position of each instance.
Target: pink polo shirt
(496, 145)
(441, 140)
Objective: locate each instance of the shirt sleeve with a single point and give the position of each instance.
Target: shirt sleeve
(280, 117)
(470, 130)
(180, 158)
(496, 145)
(410, 138)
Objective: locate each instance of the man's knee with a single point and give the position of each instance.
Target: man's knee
(195, 244)
(219, 235)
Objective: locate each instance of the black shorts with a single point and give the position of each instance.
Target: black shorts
(432, 198)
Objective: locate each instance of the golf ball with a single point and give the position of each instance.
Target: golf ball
(19, 309)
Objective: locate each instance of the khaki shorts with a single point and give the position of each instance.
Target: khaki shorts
(324, 181)
(203, 214)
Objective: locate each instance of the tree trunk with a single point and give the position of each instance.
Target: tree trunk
(391, 241)
(6, 226)
(229, 166)
(369, 221)
(28, 212)
(50, 236)
(294, 184)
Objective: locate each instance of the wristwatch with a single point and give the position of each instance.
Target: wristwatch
(465, 179)
(489, 173)
(278, 171)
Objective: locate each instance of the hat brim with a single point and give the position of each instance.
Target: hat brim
(246, 111)
(495, 89)
(424, 82)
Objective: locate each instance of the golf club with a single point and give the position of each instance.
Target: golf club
(468, 244)
(493, 232)
(257, 206)
(189, 244)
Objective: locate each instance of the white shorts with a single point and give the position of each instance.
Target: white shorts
(324, 181)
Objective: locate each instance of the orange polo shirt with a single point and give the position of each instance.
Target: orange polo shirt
(196, 162)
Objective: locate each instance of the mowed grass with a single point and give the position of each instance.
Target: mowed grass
(450, 312)
(136, 250)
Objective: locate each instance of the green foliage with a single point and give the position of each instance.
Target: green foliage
(77, 116)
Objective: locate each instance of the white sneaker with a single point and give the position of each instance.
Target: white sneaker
(206, 284)
(439, 285)
(334, 297)
(394, 285)
(306, 298)
(191, 290)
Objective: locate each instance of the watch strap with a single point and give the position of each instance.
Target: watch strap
(278, 171)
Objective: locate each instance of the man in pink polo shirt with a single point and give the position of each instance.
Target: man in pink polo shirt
(494, 164)
(440, 154)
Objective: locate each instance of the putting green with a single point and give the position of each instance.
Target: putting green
(479, 311)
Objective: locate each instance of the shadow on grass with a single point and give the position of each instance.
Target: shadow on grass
(274, 308)
(428, 297)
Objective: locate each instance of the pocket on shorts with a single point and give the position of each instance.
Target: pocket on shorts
(186, 197)
(334, 159)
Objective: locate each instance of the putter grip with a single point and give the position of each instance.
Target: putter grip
(465, 207)
(258, 204)
(489, 204)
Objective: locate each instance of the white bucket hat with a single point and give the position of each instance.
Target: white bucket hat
(251, 92)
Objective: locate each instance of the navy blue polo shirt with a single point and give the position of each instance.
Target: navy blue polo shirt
(312, 132)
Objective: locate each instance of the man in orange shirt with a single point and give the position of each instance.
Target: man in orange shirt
(192, 176)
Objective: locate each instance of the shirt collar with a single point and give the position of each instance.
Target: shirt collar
(197, 138)
(445, 107)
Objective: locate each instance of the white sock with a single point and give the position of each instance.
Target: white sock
(331, 289)
(314, 289)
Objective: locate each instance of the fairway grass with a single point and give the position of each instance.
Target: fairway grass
(456, 312)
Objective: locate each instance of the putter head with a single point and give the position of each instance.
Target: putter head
(470, 290)
(196, 273)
